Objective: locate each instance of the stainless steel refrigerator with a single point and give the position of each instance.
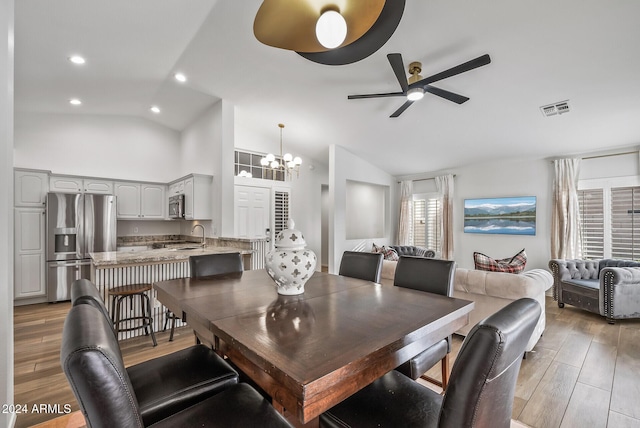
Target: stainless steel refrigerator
(77, 224)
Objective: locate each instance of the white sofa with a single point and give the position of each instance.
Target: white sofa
(491, 291)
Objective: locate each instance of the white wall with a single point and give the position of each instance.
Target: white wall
(306, 207)
(498, 179)
(207, 147)
(129, 148)
(344, 166)
(6, 209)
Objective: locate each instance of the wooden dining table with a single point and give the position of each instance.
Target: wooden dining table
(311, 351)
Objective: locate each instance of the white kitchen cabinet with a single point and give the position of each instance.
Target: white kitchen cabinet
(29, 254)
(153, 201)
(140, 201)
(73, 184)
(176, 188)
(30, 188)
(197, 197)
(97, 186)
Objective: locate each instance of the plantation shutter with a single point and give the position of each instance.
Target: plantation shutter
(625, 223)
(418, 230)
(591, 204)
(434, 224)
(281, 214)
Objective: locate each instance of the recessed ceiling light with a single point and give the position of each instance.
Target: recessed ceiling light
(155, 109)
(77, 59)
(75, 102)
(180, 77)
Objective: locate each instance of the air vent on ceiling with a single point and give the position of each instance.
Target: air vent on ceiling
(556, 108)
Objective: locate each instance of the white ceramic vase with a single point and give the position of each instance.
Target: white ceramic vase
(290, 264)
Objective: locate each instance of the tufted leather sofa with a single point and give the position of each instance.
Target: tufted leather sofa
(609, 287)
(411, 250)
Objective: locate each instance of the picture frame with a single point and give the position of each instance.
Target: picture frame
(501, 216)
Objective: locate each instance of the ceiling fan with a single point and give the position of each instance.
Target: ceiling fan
(415, 87)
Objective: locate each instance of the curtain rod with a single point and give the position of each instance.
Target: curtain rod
(608, 155)
(425, 179)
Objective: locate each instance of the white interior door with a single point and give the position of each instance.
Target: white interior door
(252, 208)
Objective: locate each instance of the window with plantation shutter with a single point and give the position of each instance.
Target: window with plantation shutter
(418, 230)
(281, 214)
(427, 217)
(592, 223)
(625, 223)
(434, 224)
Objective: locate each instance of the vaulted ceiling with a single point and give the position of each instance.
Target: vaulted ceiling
(542, 51)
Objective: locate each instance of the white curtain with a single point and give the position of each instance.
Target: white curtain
(565, 218)
(444, 183)
(406, 213)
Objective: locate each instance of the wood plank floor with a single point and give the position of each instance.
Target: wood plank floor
(583, 372)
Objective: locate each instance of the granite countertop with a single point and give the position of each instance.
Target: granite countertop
(179, 252)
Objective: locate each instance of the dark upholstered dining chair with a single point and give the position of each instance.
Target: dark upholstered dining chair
(481, 391)
(357, 264)
(215, 264)
(170, 383)
(207, 265)
(91, 360)
(433, 276)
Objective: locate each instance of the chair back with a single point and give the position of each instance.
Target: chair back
(357, 264)
(483, 379)
(83, 292)
(215, 264)
(91, 360)
(430, 275)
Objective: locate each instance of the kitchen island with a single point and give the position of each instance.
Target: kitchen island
(116, 268)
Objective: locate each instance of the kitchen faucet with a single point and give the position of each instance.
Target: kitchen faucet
(203, 239)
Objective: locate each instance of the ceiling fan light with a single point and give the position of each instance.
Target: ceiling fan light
(415, 94)
(331, 29)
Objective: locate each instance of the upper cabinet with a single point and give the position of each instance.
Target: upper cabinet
(30, 188)
(197, 190)
(176, 188)
(197, 197)
(72, 184)
(140, 201)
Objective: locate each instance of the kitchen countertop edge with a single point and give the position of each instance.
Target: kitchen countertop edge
(114, 258)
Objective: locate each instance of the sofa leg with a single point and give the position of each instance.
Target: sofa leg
(560, 305)
(611, 321)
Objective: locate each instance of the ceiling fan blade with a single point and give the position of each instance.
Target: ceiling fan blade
(389, 94)
(469, 65)
(402, 108)
(395, 59)
(458, 99)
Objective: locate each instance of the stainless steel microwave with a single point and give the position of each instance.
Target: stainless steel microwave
(176, 206)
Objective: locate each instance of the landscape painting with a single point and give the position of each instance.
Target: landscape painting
(503, 216)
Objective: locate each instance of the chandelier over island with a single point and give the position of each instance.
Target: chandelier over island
(289, 165)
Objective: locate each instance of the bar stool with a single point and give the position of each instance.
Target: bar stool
(131, 290)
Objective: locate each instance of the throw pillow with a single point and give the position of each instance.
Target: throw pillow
(387, 252)
(513, 264)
